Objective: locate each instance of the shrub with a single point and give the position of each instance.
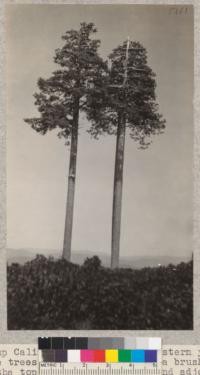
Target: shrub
(56, 294)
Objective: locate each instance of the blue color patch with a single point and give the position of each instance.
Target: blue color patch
(150, 356)
(138, 356)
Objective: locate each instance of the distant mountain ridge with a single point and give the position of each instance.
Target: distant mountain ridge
(23, 255)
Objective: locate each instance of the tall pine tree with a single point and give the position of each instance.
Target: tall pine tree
(128, 102)
(63, 96)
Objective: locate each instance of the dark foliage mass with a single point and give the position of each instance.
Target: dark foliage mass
(64, 93)
(49, 294)
(129, 91)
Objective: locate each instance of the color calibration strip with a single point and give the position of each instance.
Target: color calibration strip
(98, 350)
(98, 356)
(102, 343)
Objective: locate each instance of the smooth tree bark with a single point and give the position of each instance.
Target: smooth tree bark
(71, 184)
(63, 97)
(117, 191)
(127, 105)
(118, 175)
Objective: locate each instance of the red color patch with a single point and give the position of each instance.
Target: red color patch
(99, 355)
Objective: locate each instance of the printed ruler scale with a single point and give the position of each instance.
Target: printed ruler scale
(98, 369)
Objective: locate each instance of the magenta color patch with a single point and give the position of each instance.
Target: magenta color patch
(87, 356)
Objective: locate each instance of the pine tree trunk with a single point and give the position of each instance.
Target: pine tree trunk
(117, 193)
(71, 184)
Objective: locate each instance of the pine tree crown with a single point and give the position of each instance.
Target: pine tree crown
(80, 72)
(129, 90)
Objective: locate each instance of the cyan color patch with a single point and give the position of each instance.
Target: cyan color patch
(138, 356)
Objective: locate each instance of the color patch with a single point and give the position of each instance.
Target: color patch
(142, 343)
(124, 356)
(138, 356)
(130, 343)
(44, 343)
(87, 356)
(117, 343)
(150, 356)
(81, 342)
(155, 343)
(74, 356)
(69, 343)
(111, 356)
(99, 355)
(106, 343)
(57, 343)
(48, 355)
(60, 355)
(94, 343)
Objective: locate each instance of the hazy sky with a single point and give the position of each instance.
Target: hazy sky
(157, 192)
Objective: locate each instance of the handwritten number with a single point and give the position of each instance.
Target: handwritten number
(178, 11)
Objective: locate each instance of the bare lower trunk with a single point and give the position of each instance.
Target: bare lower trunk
(71, 185)
(117, 193)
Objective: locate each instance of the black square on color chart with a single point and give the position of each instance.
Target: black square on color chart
(57, 343)
(44, 342)
(81, 343)
(69, 343)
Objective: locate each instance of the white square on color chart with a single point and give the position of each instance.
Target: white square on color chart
(142, 343)
(73, 356)
(155, 343)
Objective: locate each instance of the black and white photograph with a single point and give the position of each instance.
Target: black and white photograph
(99, 166)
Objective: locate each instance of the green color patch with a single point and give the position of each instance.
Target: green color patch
(124, 355)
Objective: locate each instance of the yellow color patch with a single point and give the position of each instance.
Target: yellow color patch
(111, 355)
